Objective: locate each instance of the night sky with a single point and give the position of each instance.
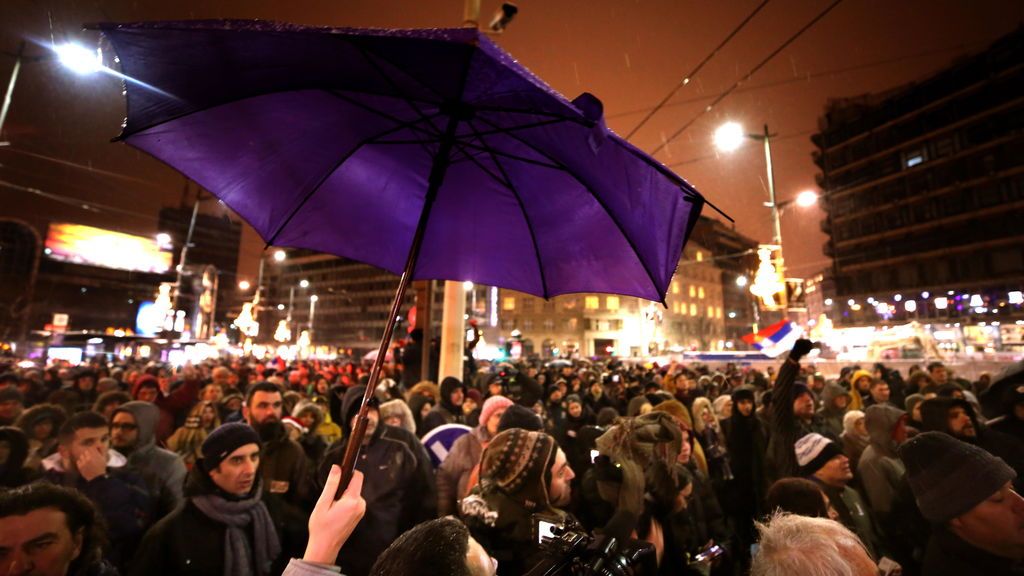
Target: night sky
(629, 53)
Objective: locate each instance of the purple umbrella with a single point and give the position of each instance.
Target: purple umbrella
(430, 153)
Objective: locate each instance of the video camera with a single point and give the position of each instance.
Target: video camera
(568, 551)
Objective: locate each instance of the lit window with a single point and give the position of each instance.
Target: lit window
(700, 256)
(711, 311)
(612, 303)
(675, 307)
(700, 293)
(508, 303)
(693, 309)
(675, 287)
(693, 292)
(718, 312)
(592, 303)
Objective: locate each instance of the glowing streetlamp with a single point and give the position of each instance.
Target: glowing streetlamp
(279, 255)
(79, 59)
(807, 198)
(244, 285)
(729, 137)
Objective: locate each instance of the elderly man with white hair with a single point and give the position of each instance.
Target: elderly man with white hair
(791, 544)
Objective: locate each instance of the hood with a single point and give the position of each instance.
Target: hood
(19, 447)
(699, 406)
(634, 406)
(401, 409)
(351, 402)
(935, 414)
(308, 406)
(830, 393)
(416, 402)
(880, 420)
(449, 385)
(144, 380)
(147, 416)
(29, 418)
(114, 460)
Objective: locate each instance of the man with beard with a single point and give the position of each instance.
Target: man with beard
(822, 460)
(285, 468)
(956, 417)
(132, 433)
(398, 488)
(228, 524)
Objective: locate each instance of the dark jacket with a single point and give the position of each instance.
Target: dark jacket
(398, 487)
(948, 555)
(120, 496)
(163, 470)
(832, 417)
(445, 412)
(12, 472)
(189, 542)
(286, 471)
(785, 428)
(416, 403)
(747, 445)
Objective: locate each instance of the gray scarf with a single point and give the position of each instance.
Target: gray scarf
(237, 516)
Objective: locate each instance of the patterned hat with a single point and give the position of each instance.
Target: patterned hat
(516, 461)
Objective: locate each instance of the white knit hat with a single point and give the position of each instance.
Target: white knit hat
(813, 451)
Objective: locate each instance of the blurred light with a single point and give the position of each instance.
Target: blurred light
(467, 285)
(828, 301)
(280, 306)
(950, 293)
(807, 198)
(898, 297)
(941, 303)
(279, 255)
(79, 59)
(163, 240)
(1016, 297)
(910, 306)
(980, 310)
(741, 281)
(314, 298)
(925, 295)
(732, 314)
(729, 137)
(976, 301)
(244, 285)
(851, 302)
(303, 283)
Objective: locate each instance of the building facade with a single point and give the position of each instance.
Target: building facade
(606, 324)
(924, 195)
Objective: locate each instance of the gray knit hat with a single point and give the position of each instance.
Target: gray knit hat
(949, 477)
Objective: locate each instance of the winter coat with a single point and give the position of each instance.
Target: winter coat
(286, 470)
(880, 470)
(445, 412)
(188, 542)
(163, 470)
(39, 449)
(120, 496)
(832, 417)
(187, 441)
(416, 403)
(785, 428)
(853, 513)
(398, 487)
(454, 473)
(747, 446)
(12, 472)
(948, 555)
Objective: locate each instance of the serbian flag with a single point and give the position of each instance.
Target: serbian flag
(776, 339)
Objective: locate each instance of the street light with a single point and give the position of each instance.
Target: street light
(279, 255)
(741, 281)
(303, 283)
(79, 59)
(729, 137)
(244, 285)
(807, 198)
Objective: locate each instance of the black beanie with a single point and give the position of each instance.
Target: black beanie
(517, 416)
(949, 477)
(224, 440)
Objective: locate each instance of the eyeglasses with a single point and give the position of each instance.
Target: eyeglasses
(124, 426)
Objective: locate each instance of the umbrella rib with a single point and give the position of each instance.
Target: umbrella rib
(342, 160)
(387, 78)
(522, 208)
(392, 117)
(509, 155)
(521, 127)
(632, 245)
(561, 117)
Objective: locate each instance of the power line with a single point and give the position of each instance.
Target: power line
(688, 77)
(713, 156)
(753, 71)
(810, 76)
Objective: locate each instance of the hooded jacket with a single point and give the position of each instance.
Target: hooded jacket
(416, 403)
(445, 412)
(747, 445)
(832, 417)
(39, 449)
(12, 471)
(880, 469)
(398, 488)
(935, 417)
(312, 443)
(400, 409)
(163, 470)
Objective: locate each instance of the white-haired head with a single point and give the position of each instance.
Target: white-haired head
(791, 544)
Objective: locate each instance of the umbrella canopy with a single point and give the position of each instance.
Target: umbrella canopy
(329, 139)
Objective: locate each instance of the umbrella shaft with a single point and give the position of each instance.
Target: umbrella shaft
(437, 172)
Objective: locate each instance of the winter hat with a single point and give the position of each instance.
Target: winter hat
(517, 416)
(813, 451)
(850, 420)
(912, 401)
(474, 395)
(606, 416)
(949, 477)
(516, 460)
(492, 405)
(743, 393)
(107, 385)
(224, 440)
(858, 375)
(294, 423)
(11, 394)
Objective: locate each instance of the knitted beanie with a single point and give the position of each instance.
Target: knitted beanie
(949, 477)
(224, 440)
(515, 461)
(517, 416)
(492, 405)
(813, 451)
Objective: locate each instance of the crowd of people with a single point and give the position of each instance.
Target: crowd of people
(232, 468)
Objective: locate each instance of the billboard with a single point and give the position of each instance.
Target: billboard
(79, 244)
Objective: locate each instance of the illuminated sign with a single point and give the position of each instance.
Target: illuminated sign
(90, 246)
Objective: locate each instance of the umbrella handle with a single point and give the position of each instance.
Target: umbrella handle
(436, 178)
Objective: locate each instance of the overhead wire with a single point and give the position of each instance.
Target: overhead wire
(748, 75)
(686, 79)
